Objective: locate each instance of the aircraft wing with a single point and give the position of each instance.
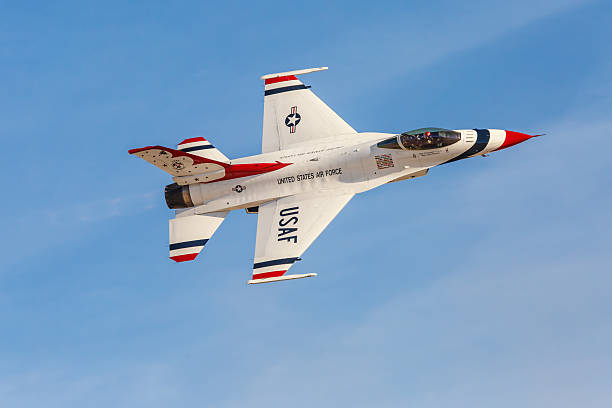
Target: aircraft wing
(293, 114)
(286, 227)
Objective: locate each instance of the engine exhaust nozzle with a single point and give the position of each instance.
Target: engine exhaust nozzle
(177, 196)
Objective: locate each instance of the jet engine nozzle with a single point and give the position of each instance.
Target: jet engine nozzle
(177, 196)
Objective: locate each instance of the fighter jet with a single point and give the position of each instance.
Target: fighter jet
(312, 164)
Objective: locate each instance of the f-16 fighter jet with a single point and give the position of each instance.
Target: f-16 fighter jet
(312, 164)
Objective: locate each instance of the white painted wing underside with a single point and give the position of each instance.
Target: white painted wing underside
(283, 102)
(286, 227)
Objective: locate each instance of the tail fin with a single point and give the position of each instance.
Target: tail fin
(203, 148)
(190, 232)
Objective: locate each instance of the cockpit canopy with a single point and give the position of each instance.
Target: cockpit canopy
(422, 139)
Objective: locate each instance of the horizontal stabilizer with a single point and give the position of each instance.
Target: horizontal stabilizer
(281, 278)
(203, 148)
(189, 168)
(177, 162)
(189, 234)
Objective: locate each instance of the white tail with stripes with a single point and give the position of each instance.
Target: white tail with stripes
(203, 148)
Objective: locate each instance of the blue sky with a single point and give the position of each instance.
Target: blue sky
(485, 283)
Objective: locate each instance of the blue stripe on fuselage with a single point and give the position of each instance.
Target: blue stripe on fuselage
(482, 139)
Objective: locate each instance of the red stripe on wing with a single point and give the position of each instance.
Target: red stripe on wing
(264, 275)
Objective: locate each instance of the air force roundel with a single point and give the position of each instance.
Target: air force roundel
(293, 119)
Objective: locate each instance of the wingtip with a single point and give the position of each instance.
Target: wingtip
(280, 278)
(140, 149)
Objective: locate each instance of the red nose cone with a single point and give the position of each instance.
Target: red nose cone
(513, 138)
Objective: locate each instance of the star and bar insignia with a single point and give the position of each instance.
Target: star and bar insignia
(293, 119)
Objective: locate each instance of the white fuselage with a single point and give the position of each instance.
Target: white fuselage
(353, 164)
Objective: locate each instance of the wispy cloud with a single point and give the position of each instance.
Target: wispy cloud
(60, 225)
(464, 340)
(133, 385)
(430, 35)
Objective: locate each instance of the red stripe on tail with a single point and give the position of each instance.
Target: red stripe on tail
(183, 258)
(281, 79)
